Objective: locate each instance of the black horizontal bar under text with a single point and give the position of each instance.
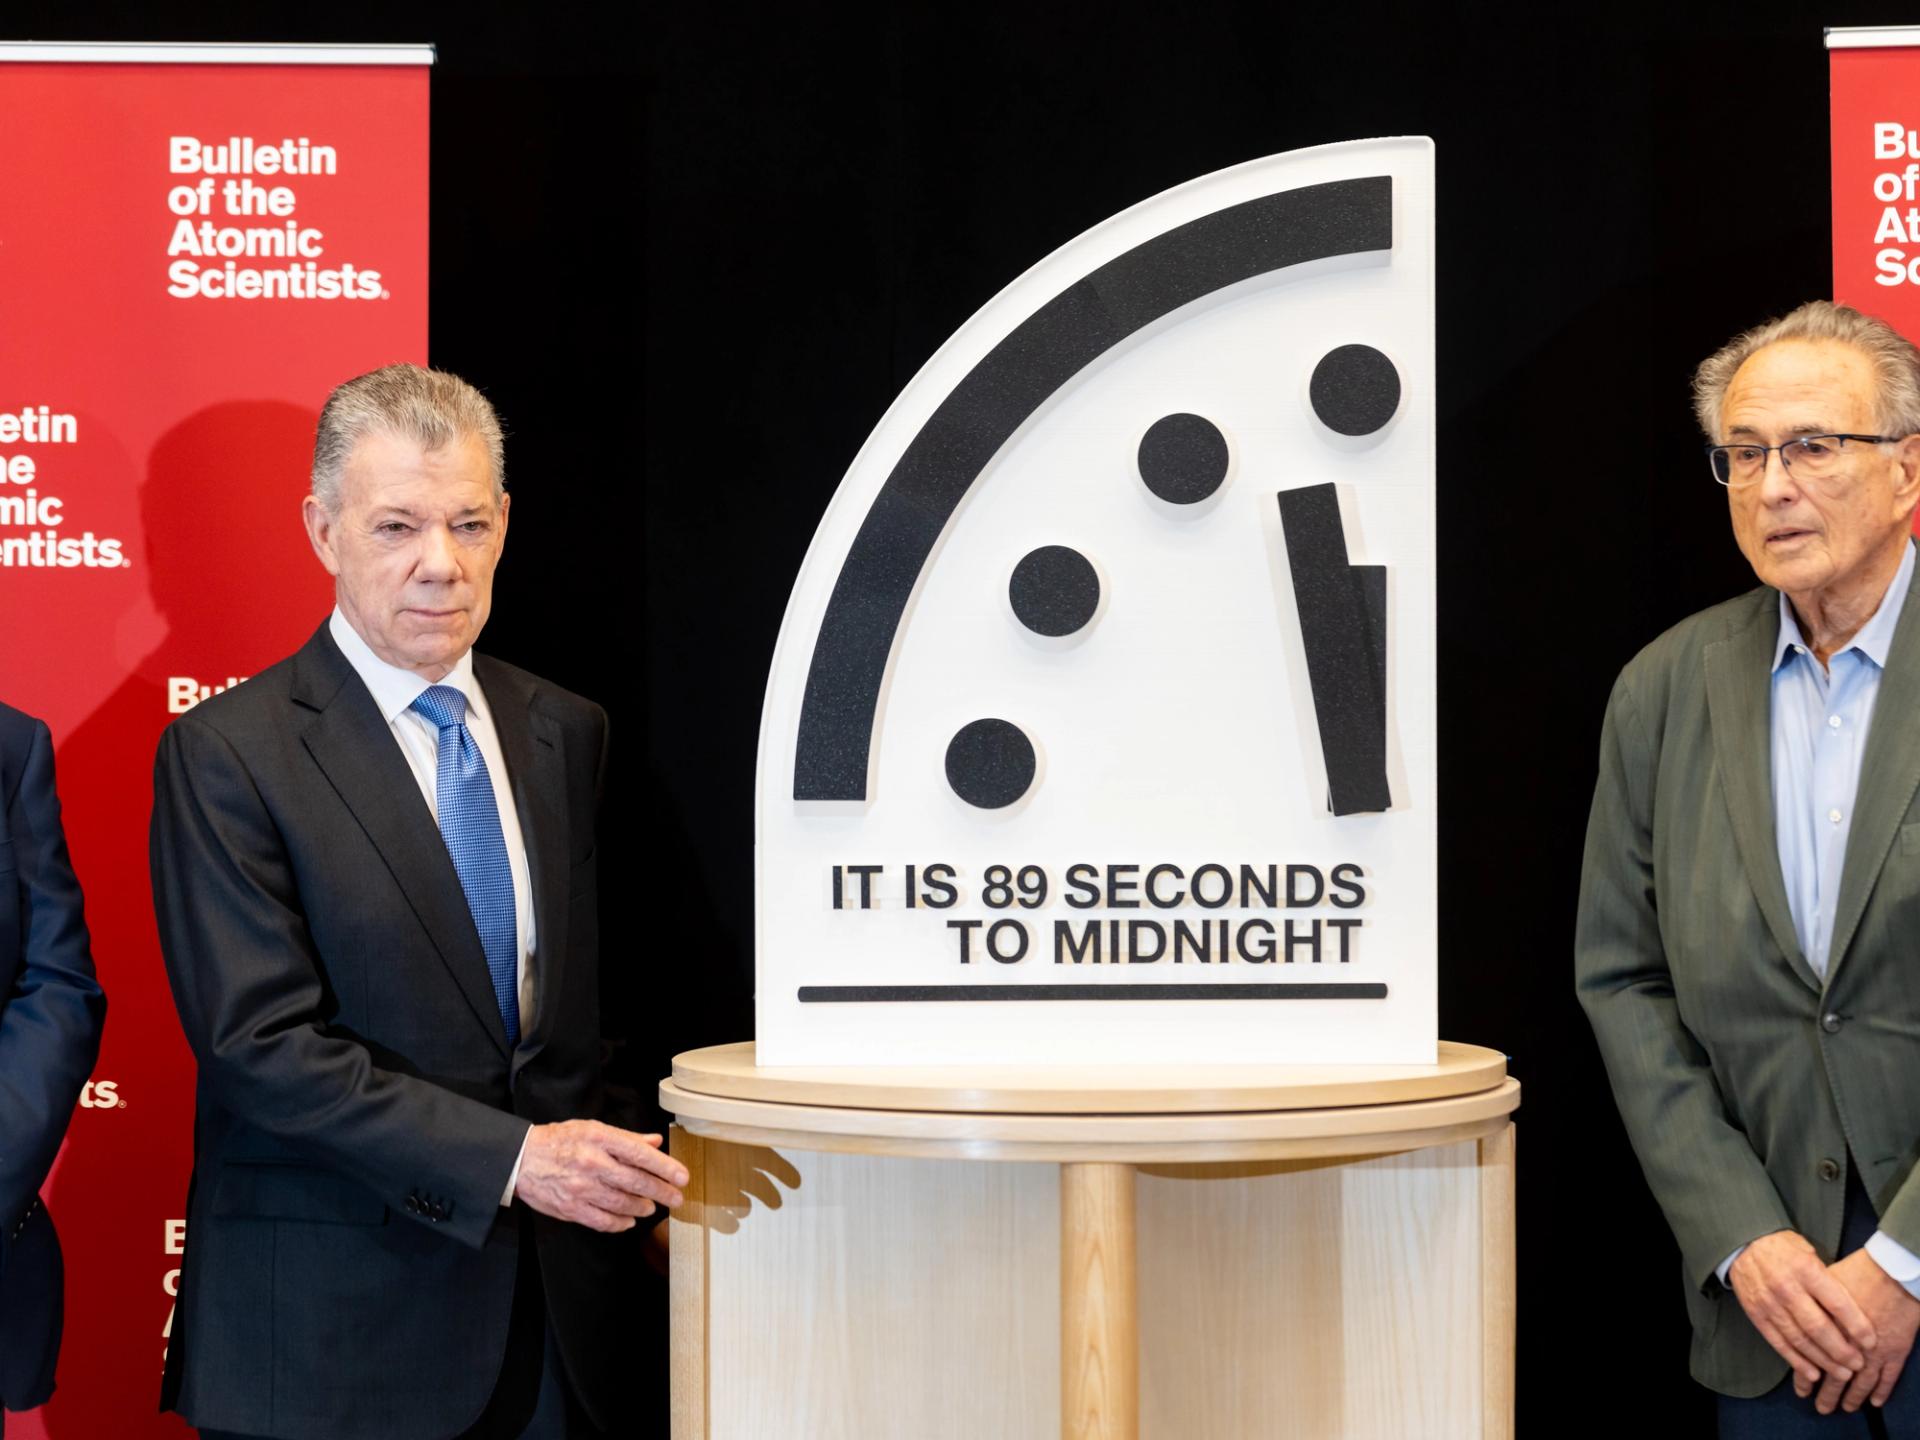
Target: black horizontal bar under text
(859, 994)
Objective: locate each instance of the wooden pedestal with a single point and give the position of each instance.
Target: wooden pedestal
(1212, 1253)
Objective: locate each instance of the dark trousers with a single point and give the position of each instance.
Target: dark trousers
(1782, 1415)
(531, 1399)
(556, 1415)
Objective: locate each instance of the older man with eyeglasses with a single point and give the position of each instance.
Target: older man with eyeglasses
(1748, 947)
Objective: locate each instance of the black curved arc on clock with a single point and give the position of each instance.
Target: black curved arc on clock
(1011, 382)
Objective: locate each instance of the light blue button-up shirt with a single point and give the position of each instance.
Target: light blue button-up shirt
(1820, 717)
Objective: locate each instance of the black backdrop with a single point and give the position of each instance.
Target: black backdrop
(694, 251)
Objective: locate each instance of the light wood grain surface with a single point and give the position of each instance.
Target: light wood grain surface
(1230, 1135)
(687, 1291)
(1312, 1301)
(860, 1298)
(1300, 1272)
(1498, 1279)
(729, 1070)
(1099, 1339)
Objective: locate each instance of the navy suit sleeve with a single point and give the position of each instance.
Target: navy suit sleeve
(246, 981)
(53, 1010)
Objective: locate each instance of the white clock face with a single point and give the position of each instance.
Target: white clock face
(1100, 728)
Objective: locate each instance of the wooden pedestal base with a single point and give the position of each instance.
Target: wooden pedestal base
(854, 1270)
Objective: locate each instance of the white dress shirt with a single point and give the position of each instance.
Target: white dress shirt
(394, 690)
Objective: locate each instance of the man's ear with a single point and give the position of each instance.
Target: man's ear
(321, 527)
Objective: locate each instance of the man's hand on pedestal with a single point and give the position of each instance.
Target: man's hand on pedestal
(596, 1175)
(1805, 1313)
(1894, 1315)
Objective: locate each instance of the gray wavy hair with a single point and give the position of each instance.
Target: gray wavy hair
(430, 407)
(1896, 363)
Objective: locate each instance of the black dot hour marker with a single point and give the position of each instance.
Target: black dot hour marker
(1183, 458)
(990, 763)
(1355, 390)
(1054, 590)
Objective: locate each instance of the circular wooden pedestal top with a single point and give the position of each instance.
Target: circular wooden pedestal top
(1140, 1114)
(729, 1070)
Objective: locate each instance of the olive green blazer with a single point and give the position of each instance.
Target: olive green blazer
(1743, 1081)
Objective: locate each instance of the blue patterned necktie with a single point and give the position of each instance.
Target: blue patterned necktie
(470, 824)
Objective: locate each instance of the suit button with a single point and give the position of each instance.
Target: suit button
(1829, 1169)
(1831, 1023)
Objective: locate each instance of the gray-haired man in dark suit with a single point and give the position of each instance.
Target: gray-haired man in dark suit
(376, 876)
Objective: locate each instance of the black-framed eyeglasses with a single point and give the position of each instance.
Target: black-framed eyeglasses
(1807, 457)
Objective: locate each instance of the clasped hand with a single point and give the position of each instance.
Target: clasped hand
(596, 1175)
(1846, 1329)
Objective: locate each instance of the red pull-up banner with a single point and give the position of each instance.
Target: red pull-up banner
(1875, 79)
(198, 242)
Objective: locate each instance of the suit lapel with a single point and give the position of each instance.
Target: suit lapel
(530, 741)
(1739, 699)
(1889, 777)
(354, 747)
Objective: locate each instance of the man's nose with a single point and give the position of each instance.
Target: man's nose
(439, 557)
(1776, 480)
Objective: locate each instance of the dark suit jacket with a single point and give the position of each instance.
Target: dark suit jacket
(1744, 1080)
(349, 1269)
(51, 1011)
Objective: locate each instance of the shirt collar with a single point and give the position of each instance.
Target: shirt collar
(1874, 639)
(394, 690)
